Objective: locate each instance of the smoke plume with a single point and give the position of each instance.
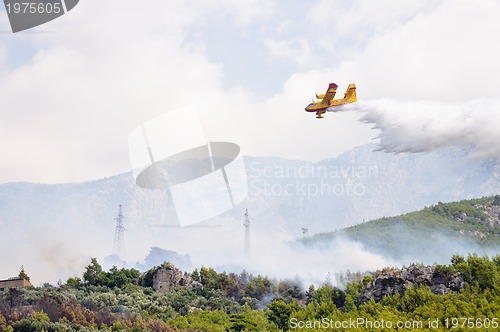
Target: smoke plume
(422, 126)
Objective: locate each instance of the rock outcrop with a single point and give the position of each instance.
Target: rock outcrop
(168, 277)
(389, 281)
(492, 212)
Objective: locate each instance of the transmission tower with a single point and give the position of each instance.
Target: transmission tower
(247, 236)
(118, 246)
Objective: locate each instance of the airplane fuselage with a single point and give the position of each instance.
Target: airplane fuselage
(327, 100)
(323, 105)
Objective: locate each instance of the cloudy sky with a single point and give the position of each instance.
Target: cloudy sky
(72, 90)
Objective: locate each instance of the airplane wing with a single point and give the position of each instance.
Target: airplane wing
(330, 93)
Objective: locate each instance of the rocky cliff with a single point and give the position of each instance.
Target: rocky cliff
(167, 277)
(389, 281)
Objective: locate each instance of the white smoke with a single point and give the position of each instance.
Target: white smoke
(281, 257)
(420, 126)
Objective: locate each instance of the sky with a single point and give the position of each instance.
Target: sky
(72, 90)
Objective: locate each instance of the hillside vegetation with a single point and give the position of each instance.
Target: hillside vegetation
(462, 295)
(123, 300)
(442, 229)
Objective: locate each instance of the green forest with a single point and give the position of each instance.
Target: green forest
(472, 224)
(124, 300)
(462, 295)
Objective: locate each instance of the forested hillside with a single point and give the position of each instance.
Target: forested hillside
(430, 234)
(205, 300)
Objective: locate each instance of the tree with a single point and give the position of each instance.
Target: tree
(457, 259)
(3, 323)
(483, 271)
(73, 282)
(122, 277)
(349, 304)
(259, 286)
(279, 312)
(13, 298)
(208, 277)
(146, 280)
(93, 274)
(195, 275)
(310, 293)
(289, 288)
(240, 323)
(22, 274)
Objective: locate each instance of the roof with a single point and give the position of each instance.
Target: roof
(13, 279)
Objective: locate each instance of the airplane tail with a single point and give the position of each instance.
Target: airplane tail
(350, 94)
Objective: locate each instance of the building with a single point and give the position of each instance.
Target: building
(167, 277)
(15, 282)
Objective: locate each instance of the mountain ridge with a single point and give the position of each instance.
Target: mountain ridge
(58, 227)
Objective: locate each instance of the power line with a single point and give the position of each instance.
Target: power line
(119, 245)
(247, 236)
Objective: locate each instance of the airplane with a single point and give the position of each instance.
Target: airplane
(326, 100)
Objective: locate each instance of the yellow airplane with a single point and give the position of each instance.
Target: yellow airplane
(326, 100)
